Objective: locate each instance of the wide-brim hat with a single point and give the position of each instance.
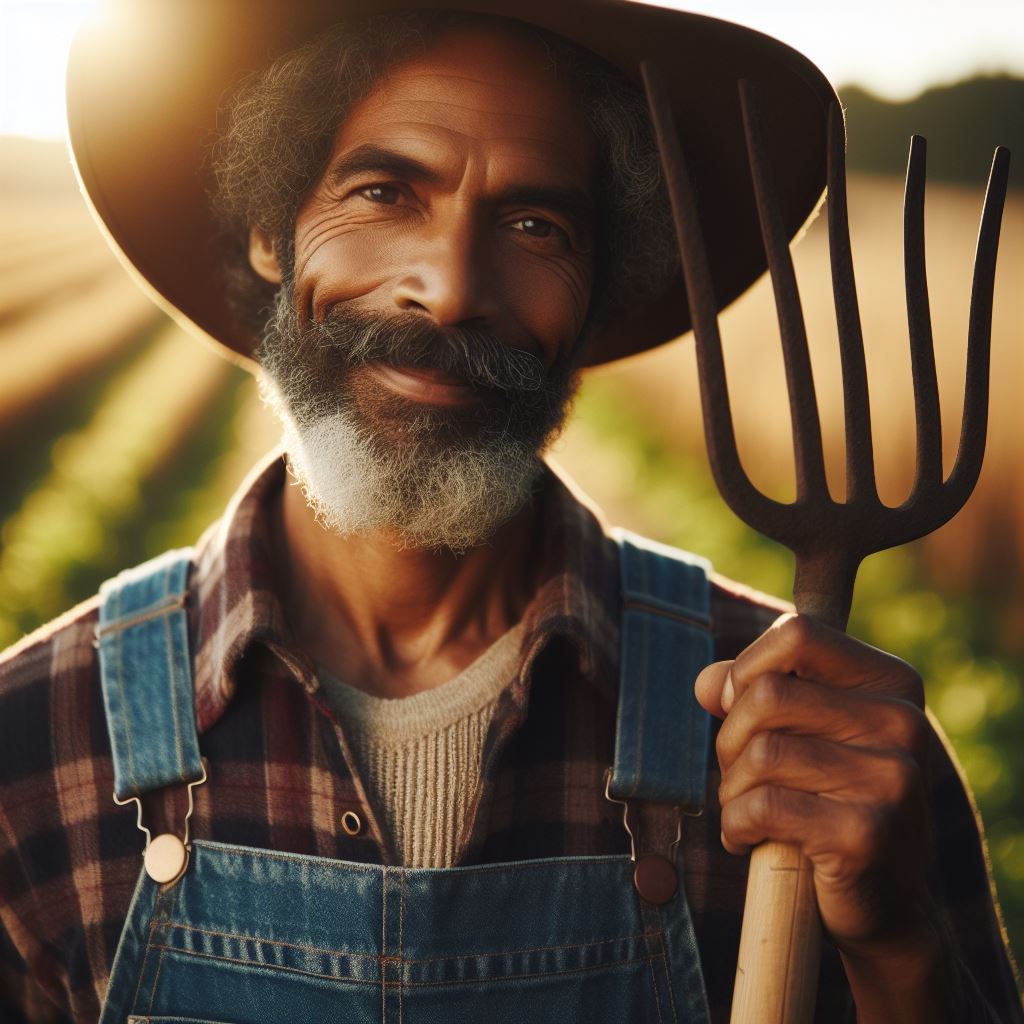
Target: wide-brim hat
(146, 79)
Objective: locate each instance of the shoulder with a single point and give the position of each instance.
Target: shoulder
(52, 744)
(62, 650)
(50, 707)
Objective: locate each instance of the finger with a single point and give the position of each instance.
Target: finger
(803, 646)
(709, 686)
(778, 702)
(816, 824)
(822, 768)
(865, 864)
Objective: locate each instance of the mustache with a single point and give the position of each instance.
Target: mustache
(476, 355)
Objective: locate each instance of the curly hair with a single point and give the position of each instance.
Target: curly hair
(280, 124)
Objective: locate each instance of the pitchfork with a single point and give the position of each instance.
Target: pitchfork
(779, 948)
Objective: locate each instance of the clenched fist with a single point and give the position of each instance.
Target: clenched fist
(823, 746)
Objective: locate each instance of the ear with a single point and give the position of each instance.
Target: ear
(262, 257)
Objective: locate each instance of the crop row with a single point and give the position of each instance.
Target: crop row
(75, 517)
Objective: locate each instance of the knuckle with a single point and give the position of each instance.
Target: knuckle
(768, 693)
(797, 631)
(725, 748)
(764, 807)
(765, 752)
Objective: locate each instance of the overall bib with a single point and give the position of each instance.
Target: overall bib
(255, 936)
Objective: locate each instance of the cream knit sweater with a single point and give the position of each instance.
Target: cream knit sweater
(419, 757)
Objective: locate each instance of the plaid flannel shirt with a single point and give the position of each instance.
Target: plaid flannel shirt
(280, 775)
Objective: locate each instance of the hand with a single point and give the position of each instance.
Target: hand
(824, 746)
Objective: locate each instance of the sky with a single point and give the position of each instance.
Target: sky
(894, 47)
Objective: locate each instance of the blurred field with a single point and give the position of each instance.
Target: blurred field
(120, 437)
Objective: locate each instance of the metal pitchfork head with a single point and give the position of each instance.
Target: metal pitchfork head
(831, 538)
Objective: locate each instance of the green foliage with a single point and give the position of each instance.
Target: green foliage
(111, 483)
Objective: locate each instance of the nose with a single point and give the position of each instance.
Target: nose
(449, 277)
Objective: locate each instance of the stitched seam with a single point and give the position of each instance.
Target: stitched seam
(525, 865)
(268, 967)
(248, 851)
(173, 683)
(383, 950)
(124, 729)
(401, 943)
(419, 960)
(639, 689)
(664, 960)
(145, 958)
(347, 866)
(413, 984)
(633, 604)
(668, 977)
(654, 985)
(156, 980)
(533, 974)
(119, 625)
(270, 942)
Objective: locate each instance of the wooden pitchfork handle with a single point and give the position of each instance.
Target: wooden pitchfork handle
(777, 970)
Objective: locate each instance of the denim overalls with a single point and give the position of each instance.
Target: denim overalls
(254, 936)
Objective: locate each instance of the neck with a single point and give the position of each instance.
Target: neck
(396, 621)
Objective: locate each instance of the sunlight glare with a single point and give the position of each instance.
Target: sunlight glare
(34, 42)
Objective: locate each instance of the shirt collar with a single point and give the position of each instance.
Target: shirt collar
(236, 607)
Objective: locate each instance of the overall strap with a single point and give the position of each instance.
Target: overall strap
(146, 673)
(661, 742)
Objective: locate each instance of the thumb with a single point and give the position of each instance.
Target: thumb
(710, 685)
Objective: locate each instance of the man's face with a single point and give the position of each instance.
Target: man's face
(459, 189)
(441, 280)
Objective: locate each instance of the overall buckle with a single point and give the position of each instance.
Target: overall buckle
(655, 876)
(166, 857)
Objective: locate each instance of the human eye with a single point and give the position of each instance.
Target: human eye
(538, 227)
(384, 194)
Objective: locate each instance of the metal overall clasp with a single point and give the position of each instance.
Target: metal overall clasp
(655, 876)
(166, 857)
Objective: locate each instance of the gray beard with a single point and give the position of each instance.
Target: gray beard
(367, 459)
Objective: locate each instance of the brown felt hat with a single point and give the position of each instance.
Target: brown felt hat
(146, 77)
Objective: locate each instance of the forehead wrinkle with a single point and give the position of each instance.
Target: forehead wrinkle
(452, 105)
(454, 144)
(444, 144)
(411, 76)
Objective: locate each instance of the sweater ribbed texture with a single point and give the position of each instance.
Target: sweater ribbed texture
(419, 757)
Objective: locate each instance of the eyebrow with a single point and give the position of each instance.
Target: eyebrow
(374, 159)
(573, 201)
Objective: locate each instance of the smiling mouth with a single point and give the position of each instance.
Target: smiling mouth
(421, 384)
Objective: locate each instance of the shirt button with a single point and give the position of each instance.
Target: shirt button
(351, 823)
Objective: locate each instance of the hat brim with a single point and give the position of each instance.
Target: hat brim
(145, 80)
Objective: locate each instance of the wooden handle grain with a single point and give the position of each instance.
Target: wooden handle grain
(780, 945)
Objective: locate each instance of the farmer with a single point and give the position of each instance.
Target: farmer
(410, 645)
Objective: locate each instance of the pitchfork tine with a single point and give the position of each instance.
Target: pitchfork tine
(979, 332)
(860, 463)
(928, 479)
(803, 408)
(732, 481)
